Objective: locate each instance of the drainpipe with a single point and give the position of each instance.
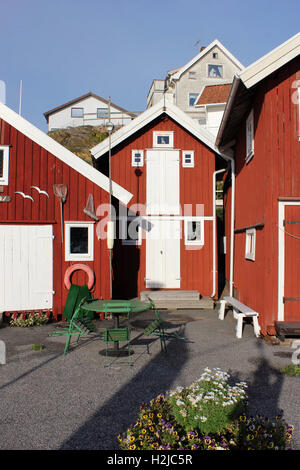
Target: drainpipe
(232, 166)
(214, 231)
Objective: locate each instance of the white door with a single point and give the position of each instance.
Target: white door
(163, 254)
(163, 182)
(26, 257)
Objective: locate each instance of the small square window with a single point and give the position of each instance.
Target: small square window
(192, 98)
(215, 55)
(188, 158)
(77, 112)
(163, 139)
(250, 244)
(131, 231)
(137, 158)
(194, 232)
(249, 137)
(215, 71)
(79, 241)
(4, 164)
(192, 75)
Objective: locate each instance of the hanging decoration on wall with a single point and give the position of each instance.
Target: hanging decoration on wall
(25, 196)
(90, 208)
(61, 191)
(40, 191)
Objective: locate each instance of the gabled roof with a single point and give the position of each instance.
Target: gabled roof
(212, 94)
(148, 116)
(202, 53)
(244, 85)
(83, 97)
(49, 144)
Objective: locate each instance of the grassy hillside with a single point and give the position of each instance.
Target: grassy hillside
(80, 139)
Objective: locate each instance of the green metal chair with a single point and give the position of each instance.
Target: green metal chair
(113, 336)
(80, 324)
(156, 328)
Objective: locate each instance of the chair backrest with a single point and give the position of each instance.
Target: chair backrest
(155, 325)
(116, 334)
(157, 314)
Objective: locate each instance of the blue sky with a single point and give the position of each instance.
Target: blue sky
(62, 49)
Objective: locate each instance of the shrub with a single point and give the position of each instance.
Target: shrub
(194, 418)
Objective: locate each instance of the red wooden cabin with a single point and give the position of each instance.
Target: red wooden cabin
(167, 161)
(261, 125)
(36, 247)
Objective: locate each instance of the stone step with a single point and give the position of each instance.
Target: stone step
(204, 303)
(164, 295)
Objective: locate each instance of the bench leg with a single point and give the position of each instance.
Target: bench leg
(222, 309)
(256, 326)
(239, 326)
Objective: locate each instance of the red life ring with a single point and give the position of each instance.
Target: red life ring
(76, 267)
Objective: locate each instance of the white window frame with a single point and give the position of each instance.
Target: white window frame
(250, 136)
(215, 65)
(5, 176)
(250, 253)
(133, 162)
(192, 93)
(157, 134)
(77, 117)
(89, 256)
(184, 163)
(192, 75)
(136, 242)
(193, 242)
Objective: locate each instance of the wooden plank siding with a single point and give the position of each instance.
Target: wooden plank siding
(31, 165)
(273, 172)
(195, 188)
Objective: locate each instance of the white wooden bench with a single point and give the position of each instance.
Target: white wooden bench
(240, 311)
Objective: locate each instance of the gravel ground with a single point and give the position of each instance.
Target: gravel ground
(50, 401)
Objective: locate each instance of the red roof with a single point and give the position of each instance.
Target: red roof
(214, 94)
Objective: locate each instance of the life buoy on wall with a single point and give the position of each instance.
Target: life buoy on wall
(76, 267)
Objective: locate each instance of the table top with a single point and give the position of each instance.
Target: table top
(116, 306)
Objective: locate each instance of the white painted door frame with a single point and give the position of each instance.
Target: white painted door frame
(281, 255)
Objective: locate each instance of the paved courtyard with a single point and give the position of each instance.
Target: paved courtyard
(51, 401)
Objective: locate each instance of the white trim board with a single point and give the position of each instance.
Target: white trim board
(281, 255)
(271, 61)
(148, 116)
(49, 144)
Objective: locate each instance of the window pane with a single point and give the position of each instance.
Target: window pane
(102, 112)
(79, 240)
(1, 163)
(77, 112)
(163, 139)
(192, 98)
(215, 71)
(194, 230)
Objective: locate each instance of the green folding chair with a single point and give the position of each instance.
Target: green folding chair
(156, 328)
(80, 324)
(113, 336)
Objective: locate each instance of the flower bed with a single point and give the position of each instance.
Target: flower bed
(30, 319)
(209, 414)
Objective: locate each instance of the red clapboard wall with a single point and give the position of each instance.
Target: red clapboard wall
(273, 174)
(195, 188)
(31, 165)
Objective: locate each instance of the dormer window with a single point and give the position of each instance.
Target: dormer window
(137, 158)
(4, 162)
(215, 71)
(163, 139)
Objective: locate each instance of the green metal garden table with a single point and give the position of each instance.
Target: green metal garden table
(117, 308)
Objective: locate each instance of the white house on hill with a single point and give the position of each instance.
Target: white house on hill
(89, 109)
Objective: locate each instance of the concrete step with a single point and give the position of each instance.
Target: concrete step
(204, 303)
(173, 295)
